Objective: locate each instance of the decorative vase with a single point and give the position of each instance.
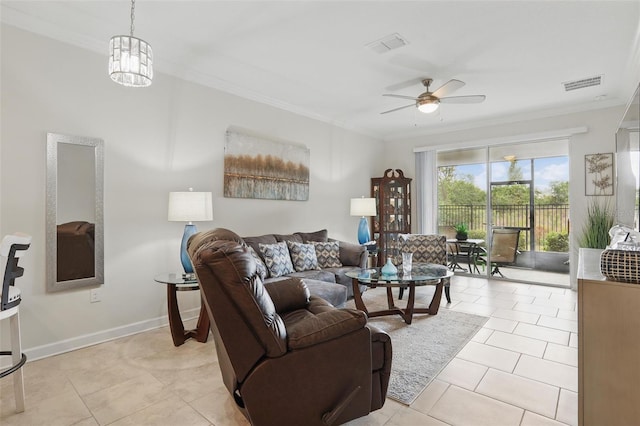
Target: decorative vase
(461, 236)
(389, 268)
(407, 261)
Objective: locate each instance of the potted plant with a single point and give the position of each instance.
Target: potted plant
(600, 219)
(462, 231)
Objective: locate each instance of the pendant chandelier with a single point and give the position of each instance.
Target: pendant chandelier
(130, 58)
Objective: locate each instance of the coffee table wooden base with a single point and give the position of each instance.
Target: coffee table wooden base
(408, 311)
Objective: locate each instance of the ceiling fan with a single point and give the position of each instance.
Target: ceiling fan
(428, 101)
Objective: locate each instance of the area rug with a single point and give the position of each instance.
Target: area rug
(423, 348)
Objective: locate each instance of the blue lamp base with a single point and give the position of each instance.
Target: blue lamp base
(189, 230)
(363, 231)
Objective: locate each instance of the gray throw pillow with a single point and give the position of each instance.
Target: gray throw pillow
(276, 257)
(328, 254)
(303, 256)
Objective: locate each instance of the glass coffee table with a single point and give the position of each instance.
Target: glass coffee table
(426, 274)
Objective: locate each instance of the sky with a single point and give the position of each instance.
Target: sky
(546, 170)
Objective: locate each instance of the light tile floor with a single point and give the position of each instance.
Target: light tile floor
(520, 369)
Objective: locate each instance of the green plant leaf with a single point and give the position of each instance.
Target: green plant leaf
(600, 219)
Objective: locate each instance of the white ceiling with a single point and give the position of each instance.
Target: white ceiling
(311, 57)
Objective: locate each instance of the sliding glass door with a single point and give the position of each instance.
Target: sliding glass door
(509, 189)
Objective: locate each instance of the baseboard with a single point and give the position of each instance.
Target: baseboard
(91, 339)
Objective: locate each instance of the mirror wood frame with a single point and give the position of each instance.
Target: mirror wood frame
(53, 142)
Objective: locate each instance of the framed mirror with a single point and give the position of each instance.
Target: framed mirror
(74, 229)
(628, 165)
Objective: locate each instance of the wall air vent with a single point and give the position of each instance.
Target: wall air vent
(582, 83)
(388, 43)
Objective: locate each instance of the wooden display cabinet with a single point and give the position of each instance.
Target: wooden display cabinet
(393, 206)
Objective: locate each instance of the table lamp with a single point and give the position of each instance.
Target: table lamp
(189, 207)
(363, 207)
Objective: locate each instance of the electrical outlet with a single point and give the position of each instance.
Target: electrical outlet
(94, 295)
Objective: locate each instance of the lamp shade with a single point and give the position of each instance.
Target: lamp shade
(363, 206)
(190, 206)
(130, 61)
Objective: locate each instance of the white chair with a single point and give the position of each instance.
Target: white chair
(11, 248)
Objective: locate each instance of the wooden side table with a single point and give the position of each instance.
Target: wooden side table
(175, 283)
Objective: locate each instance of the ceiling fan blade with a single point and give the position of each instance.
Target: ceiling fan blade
(398, 109)
(401, 96)
(471, 99)
(449, 87)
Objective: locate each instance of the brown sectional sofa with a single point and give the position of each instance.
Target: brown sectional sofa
(329, 283)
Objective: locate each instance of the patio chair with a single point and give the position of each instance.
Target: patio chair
(504, 248)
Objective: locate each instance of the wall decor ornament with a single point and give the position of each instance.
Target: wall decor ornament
(264, 168)
(598, 174)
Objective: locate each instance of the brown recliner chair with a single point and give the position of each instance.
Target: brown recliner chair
(287, 358)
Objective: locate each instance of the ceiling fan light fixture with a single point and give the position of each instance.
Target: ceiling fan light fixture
(428, 106)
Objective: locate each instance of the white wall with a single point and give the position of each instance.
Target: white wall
(167, 137)
(600, 137)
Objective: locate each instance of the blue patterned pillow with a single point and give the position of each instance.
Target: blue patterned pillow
(261, 268)
(303, 256)
(276, 257)
(328, 254)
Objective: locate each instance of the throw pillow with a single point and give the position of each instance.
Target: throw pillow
(303, 256)
(276, 257)
(328, 254)
(261, 268)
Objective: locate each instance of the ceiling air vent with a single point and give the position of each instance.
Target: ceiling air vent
(582, 83)
(388, 43)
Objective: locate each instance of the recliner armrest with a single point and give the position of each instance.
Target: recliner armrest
(289, 294)
(324, 326)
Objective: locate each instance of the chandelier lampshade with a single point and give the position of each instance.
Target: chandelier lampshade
(130, 58)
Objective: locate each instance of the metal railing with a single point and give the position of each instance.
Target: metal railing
(548, 218)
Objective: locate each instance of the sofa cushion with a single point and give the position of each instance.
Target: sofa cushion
(341, 277)
(288, 237)
(256, 241)
(303, 256)
(318, 274)
(321, 236)
(328, 254)
(261, 268)
(276, 257)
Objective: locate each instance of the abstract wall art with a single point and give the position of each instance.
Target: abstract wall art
(264, 168)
